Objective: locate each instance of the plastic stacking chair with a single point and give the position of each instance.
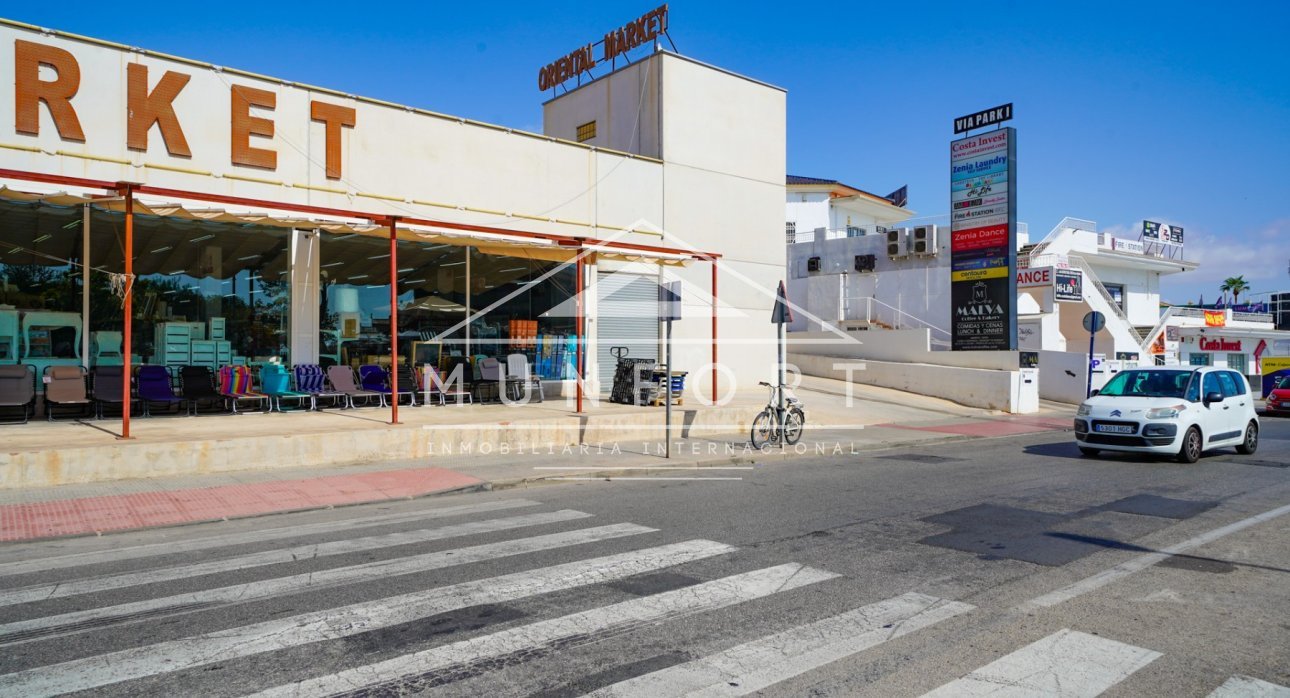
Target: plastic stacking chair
(519, 378)
(197, 385)
(376, 379)
(18, 390)
(341, 379)
(311, 379)
(152, 386)
(65, 387)
(434, 385)
(107, 382)
(275, 382)
(235, 387)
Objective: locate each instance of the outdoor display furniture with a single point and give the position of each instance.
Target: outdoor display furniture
(491, 379)
(107, 383)
(65, 387)
(18, 390)
(408, 379)
(152, 385)
(275, 382)
(341, 379)
(678, 387)
(520, 379)
(311, 379)
(197, 385)
(235, 387)
(376, 379)
(434, 385)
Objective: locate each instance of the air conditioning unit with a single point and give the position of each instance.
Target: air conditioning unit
(922, 241)
(896, 243)
(813, 264)
(866, 262)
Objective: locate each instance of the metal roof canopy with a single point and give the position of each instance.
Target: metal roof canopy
(489, 240)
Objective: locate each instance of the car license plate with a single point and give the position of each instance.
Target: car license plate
(1114, 429)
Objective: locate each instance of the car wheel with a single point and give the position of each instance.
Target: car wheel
(1191, 447)
(1088, 452)
(1251, 442)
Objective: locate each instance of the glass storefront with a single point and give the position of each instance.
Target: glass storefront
(218, 293)
(514, 305)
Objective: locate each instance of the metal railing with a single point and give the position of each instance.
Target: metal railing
(1063, 225)
(888, 316)
(1090, 276)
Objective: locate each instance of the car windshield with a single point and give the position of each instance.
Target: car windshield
(1147, 384)
(1282, 383)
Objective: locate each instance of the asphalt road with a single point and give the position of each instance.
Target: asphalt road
(981, 566)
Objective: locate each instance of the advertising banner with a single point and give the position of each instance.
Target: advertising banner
(983, 251)
(1040, 276)
(1273, 368)
(1069, 285)
(1215, 318)
(1162, 232)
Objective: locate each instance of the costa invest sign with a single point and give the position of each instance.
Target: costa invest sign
(616, 42)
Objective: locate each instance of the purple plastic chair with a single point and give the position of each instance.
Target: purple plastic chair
(152, 384)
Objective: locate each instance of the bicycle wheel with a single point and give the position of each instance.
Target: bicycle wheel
(794, 423)
(763, 429)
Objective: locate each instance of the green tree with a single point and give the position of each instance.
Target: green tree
(1236, 285)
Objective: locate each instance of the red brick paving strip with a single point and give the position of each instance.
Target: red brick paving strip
(68, 517)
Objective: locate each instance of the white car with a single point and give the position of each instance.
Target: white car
(1180, 412)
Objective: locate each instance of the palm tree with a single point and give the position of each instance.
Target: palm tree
(1236, 285)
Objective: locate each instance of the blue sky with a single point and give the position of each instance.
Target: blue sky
(1174, 111)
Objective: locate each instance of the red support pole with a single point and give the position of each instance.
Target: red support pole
(127, 311)
(394, 321)
(578, 367)
(714, 331)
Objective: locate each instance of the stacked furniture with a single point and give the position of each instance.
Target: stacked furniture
(634, 382)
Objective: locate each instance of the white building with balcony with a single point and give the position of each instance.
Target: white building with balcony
(826, 209)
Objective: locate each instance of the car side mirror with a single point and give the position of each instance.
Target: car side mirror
(1211, 398)
(1094, 393)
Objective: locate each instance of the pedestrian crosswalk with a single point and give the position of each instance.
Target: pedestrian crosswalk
(573, 582)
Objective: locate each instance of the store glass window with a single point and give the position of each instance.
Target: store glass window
(205, 293)
(1198, 359)
(527, 307)
(1238, 363)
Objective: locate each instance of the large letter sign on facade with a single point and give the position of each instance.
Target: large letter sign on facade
(983, 235)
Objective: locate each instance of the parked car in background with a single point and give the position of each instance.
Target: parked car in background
(1279, 399)
(1180, 412)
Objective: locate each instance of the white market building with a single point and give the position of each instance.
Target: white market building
(262, 212)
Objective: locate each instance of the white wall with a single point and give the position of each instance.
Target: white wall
(721, 189)
(916, 289)
(996, 390)
(903, 359)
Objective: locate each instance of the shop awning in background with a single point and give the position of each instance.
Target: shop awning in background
(517, 245)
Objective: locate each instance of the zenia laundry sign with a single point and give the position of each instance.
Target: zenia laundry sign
(983, 234)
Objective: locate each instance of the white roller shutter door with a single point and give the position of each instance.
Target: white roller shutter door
(627, 316)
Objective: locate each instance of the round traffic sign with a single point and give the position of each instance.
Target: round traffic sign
(1094, 321)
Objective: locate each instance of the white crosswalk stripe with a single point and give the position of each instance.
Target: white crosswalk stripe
(589, 625)
(1249, 687)
(1066, 664)
(134, 552)
(54, 590)
(765, 662)
(28, 630)
(329, 624)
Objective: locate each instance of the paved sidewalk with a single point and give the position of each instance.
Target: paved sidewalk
(101, 507)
